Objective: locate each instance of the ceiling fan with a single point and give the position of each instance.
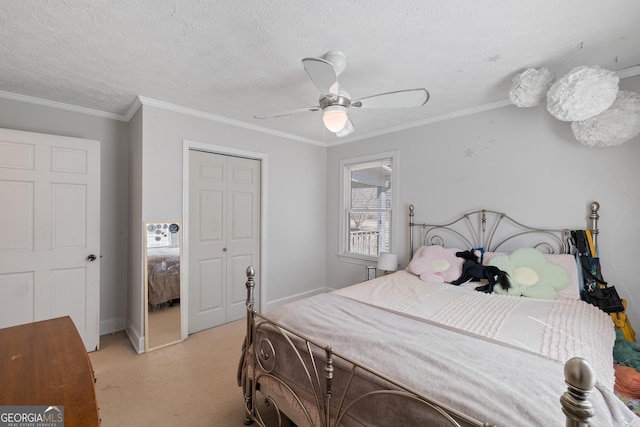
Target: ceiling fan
(334, 102)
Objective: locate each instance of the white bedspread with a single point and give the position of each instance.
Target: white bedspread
(557, 329)
(488, 380)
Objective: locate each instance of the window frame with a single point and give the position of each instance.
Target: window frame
(345, 183)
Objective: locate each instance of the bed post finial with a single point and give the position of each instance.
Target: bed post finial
(594, 207)
(250, 285)
(580, 380)
(411, 214)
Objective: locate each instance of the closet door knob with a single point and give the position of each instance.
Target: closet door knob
(224, 249)
(91, 257)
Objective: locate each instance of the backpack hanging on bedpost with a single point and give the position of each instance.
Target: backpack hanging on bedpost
(595, 290)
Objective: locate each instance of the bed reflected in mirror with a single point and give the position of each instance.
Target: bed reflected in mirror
(162, 284)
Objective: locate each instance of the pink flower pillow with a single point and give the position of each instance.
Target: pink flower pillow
(436, 264)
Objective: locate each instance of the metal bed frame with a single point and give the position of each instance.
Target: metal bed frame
(481, 229)
(327, 401)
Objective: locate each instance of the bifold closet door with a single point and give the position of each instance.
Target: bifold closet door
(224, 235)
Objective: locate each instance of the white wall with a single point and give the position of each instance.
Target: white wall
(296, 194)
(113, 137)
(520, 161)
(135, 291)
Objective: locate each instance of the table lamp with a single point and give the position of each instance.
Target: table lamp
(387, 262)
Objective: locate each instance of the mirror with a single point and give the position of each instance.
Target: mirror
(162, 284)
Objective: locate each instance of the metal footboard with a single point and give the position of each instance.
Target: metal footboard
(325, 395)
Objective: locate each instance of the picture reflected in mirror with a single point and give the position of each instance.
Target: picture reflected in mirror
(163, 313)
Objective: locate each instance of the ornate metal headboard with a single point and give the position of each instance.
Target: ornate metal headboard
(496, 232)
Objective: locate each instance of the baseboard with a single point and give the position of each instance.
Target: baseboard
(137, 340)
(277, 303)
(110, 326)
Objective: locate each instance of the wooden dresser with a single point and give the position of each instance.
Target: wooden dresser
(46, 363)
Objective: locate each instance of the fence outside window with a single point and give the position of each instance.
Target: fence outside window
(364, 242)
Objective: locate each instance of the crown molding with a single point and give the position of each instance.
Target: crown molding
(133, 108)
(431, 120)
(629, 72)
(215, 118)
(61, 106)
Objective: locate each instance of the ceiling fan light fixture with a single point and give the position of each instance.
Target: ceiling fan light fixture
(335, 117)
(334, 101)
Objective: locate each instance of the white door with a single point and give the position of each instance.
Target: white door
(50, 237)
(224, 236)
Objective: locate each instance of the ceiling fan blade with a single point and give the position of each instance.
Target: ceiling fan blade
(322, 74)
(346, 130)
(398, 99)
(287, 113)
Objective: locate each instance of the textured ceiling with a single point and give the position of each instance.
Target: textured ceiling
(235, 59)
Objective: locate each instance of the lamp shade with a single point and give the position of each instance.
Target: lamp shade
(530, 87)
(583, 93)
(335, 117)
(616, 125)
(387, 262)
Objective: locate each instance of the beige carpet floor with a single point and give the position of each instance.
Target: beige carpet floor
(192, 383)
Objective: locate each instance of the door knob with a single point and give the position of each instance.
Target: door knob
(224, 249)
(91, 257)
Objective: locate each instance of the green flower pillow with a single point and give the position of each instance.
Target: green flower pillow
(531, 275)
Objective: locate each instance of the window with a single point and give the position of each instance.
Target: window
(367, 204)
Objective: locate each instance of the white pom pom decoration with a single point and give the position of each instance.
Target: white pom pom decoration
(616, 125)
(583, 93)
(530, 87)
